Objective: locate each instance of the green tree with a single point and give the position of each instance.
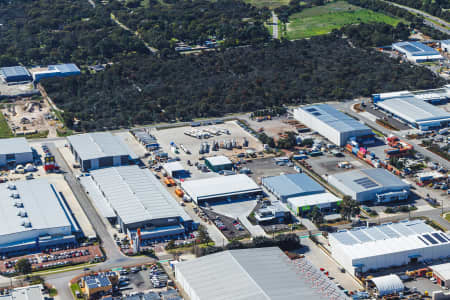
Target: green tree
(316, 215)
(23, 266)
(203, 235)
(349, 207)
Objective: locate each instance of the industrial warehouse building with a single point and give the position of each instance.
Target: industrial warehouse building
(332, 124)
(375, 185)
(432, 96)
(414, 109)
(33, 216)
(249, 274)
(393, 244)
(442, 274)
(325, 201)
(218, 163)
(417, 52)
(100, 149)
(136, 200)
(291, 185)
(220, 188)
(17, 74)
(15, 151)
(62, 70)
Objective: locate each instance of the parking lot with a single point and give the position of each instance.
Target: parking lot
(231, 228)
(55, 257)
(266, 167)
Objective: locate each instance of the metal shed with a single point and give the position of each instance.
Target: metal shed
(388, 285)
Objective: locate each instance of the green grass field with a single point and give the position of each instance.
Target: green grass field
(5, 132)
(323, 19)
(268, 3)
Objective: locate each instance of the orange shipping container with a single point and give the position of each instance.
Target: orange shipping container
(179, 193)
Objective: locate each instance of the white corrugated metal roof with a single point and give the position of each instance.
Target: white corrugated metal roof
(33, 292)
(248, 274)
(14, 145)
(389, 238)
(218, 160)
(388, 285)
(173, 167)
(368, 179)
(136, 194)
(443, 270)
(99, 144)
(312, 200)
(414, 110)
(219, 186)
(40, 202)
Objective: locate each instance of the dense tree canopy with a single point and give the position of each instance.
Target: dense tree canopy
(55, 31)
(147, 89)
(161, 23)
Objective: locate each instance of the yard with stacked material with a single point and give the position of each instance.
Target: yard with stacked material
(323, 19)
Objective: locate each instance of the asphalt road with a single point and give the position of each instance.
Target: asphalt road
(115, 258)
(274, 25)
(426, 15)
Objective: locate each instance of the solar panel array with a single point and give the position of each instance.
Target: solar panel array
(410, 48)
(388, 231)
(366, 182)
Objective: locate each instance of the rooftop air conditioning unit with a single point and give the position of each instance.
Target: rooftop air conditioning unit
(22, 213)
(18, 204)
(26, 224)
(11, 186)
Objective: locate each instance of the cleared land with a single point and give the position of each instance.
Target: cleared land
(323, 19)
(268, 3)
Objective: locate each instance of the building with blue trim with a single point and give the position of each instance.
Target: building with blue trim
(291, 185)
(15, 74)
(417, 52)
(62, 70)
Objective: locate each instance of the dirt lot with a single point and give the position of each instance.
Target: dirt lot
(271, 127)
(328, 164)
(30, 116)
(266, 167)
(53, 258)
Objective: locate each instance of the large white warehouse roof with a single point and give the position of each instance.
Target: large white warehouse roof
(334, 118)
(414, 110)
(136, 195)
(248, 274)
(220, 186)
(368, 179)
(31, 205)
(99, 144)
(388, 238)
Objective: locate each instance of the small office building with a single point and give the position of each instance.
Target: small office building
(175, 169)
(218, 163)
(15, 151)
(442, 274)
(325, 201)
(372, 185)
(100, 149)
(273, 212)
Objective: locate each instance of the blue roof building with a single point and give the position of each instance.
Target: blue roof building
(15, 74)
(291, 185)
(62, 70)
(417, 52)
